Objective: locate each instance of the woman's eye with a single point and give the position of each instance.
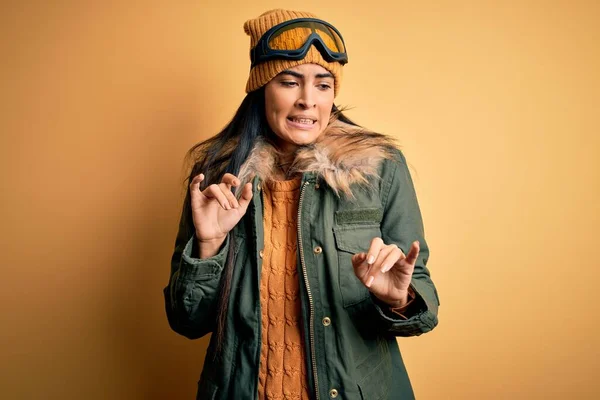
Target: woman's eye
(324, 86)
(289, 83)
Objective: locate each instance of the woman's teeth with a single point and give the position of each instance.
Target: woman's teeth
(303, 121)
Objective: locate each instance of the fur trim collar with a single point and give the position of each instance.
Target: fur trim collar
(342, 156)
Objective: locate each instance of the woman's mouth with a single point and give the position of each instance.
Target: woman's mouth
(303, 121)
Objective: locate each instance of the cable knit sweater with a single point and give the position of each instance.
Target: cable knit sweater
(282, 373)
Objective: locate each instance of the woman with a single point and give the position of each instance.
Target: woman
(301, 241)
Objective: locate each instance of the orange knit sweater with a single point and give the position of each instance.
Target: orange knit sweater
(282, 373)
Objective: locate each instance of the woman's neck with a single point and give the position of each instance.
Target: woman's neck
(283, 162)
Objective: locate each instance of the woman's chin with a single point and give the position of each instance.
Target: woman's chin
(303, 137)
(291, 138)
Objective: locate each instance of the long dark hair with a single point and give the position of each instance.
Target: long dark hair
(225, 153)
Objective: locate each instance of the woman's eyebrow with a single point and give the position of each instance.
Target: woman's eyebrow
(300, 76)
(326, 75)
(293, 73)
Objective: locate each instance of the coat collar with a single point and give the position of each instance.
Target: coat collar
(342, 156)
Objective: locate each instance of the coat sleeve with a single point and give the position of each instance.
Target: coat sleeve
(190, 296)
(402, 224)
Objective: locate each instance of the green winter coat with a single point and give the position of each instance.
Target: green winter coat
(355, 186)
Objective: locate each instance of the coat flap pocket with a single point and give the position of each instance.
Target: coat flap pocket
(375, 373)
(356, 238)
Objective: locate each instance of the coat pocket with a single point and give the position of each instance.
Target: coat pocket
(375, 373)
(351, 239)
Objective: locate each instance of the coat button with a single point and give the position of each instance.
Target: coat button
(261, 253)
(326, 321)
(318, 250)
(317, 186)
(258, 187)
(333, 393)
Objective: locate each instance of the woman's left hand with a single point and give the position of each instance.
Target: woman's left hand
(386, 270)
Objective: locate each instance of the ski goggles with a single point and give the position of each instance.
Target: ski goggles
(292, 39)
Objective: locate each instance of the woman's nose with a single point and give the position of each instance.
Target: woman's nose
(306, 99)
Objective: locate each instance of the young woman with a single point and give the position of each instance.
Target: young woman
(301, 242)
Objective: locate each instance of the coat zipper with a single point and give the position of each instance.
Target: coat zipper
(310, 300)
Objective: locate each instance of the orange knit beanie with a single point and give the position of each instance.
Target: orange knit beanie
(262, 73)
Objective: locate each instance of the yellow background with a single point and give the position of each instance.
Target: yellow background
(495, 103)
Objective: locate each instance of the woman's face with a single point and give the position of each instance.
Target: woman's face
(298, 104)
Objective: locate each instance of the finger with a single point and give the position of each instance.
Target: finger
(195, 183)
(226, 189)
(374, 249)
(372, 254)
(195, 186)
(245, 197)
(358, 259)
(359, 263)
(397, 263)
(375, 268)
(214, 191)
(413, 253)
(391, 259)
(230, 180)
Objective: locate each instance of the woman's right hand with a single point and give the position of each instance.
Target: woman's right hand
(215, 210)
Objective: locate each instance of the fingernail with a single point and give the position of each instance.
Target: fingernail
(384, 269)
(370, 281)
(371, 260)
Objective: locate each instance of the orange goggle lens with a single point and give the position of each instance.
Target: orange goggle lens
(295, 35)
